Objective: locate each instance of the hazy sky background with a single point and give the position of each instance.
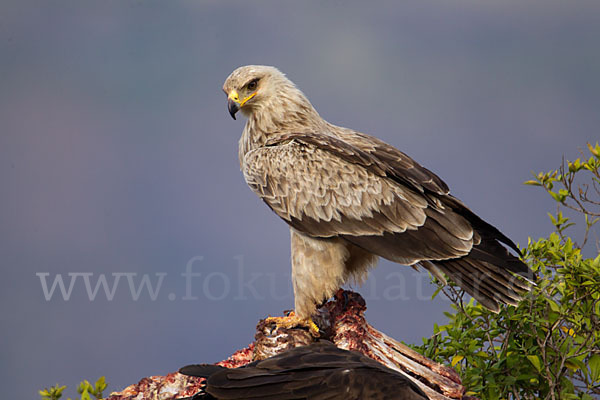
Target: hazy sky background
(117, 155)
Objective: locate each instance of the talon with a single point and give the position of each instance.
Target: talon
(293, 321)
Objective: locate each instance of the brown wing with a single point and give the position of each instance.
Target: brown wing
(320, 371)
(373, 153)
(325, 187)
(380, 200)
(402, 166)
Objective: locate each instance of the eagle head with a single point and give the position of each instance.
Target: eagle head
(252, 86)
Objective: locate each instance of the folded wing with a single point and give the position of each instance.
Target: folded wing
(376, 197)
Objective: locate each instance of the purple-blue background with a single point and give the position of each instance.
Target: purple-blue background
(117, 155)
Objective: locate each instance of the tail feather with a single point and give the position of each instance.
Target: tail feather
(487, 283)
(489, 272)
(486, 230)
(494, 253)
(499, 275)
(484, 281)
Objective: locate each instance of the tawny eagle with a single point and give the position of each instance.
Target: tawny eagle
(351, 198)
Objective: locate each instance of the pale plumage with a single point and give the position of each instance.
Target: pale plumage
(350, 198)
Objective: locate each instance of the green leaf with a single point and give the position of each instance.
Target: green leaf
(572, 365)
(100, 385)
(595, 150)
(456, 359)
(596, 262)
(536, 362)
(555, 307)
(532, 183)
(594, 363)
(557, 196)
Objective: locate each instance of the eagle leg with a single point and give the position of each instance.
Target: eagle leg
(294, 321)
(318, 270)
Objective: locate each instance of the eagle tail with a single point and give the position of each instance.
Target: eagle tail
(489, 279)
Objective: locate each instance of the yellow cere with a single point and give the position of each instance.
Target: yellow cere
(233, 95)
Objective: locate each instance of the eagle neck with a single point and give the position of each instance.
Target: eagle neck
(284, 114)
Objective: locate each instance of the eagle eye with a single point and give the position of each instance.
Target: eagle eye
(252, 84)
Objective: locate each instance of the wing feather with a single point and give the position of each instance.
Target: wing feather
(302, 182)
(319, 371)
(325, 187)
(375, 155)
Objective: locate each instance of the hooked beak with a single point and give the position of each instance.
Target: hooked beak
(233, 103)
(233, 107)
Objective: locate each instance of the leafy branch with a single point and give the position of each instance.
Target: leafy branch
(85, 389)
(547, 347)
